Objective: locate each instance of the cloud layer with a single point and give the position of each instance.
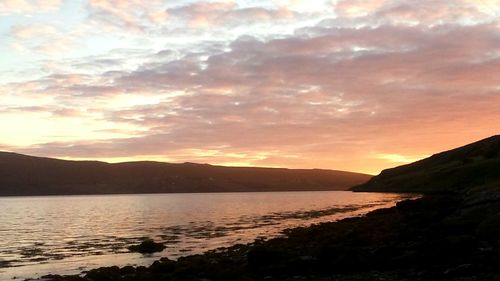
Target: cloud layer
(365, 85)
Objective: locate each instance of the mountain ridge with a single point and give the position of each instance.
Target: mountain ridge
(31, 175)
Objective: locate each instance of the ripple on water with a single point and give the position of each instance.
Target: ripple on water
(60, 229)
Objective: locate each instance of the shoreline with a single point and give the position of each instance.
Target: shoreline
(287, 218)
(431, 238)
(194, 192)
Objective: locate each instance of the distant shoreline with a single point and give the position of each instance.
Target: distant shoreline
(200, 192)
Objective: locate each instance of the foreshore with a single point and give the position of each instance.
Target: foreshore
(437, 237)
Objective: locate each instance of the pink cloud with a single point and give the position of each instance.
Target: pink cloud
(224, 14)
(44, 39)
(121, 15)
(326, 96)
(427, 12)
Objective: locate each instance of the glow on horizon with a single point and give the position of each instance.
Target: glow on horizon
(395, 159)
(358, 85)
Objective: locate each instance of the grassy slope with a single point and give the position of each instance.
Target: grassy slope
(476, 164)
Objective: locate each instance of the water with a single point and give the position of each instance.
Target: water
(68, 234)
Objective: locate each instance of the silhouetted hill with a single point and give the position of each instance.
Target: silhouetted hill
(453, 235)
(28, 175)
(476, 165)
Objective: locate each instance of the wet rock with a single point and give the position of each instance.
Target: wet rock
(111, 273)
(489, 228)
(304, 265)
(259, 257)
(164, 265)
(147, 247)
(462, 244)
(141, 268)
(461, 270)
(53, 277)
(382, 255)
(127, 270)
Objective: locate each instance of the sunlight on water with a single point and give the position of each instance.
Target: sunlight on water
(68, 234)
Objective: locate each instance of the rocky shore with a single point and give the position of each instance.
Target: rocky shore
(452, 233)
(439, 237)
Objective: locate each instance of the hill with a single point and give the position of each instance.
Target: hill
(28, 175)
(473, 166)
(452, 234)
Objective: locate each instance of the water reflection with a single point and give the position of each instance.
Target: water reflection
(84, 230)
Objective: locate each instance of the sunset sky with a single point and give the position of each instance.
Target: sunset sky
(357, 85)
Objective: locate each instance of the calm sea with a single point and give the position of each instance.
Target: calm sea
(70, 234)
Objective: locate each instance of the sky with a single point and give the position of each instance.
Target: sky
(357, 85)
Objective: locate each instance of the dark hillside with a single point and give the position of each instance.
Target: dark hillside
(472, 165)
(28, 175)
(450, 236)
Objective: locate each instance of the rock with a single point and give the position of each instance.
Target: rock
(489, 228)
(54, 277)
(303, 265)
(147, 247)
(164, 265)
(111, 273)
(127, 270)
(259, 257)
(141, 268)
(461, 270)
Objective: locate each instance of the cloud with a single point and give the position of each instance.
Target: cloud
(127, 15)
(490, 7)
(426, 12)
(358, 95)
(29, 6)
(30, 31)
(356, 8)
(431, 13)
(292, 103)
(45, 39)
(222, 14)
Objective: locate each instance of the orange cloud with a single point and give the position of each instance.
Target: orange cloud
(31, 31)
(355, 8)
(385, 83)
(29, 6)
